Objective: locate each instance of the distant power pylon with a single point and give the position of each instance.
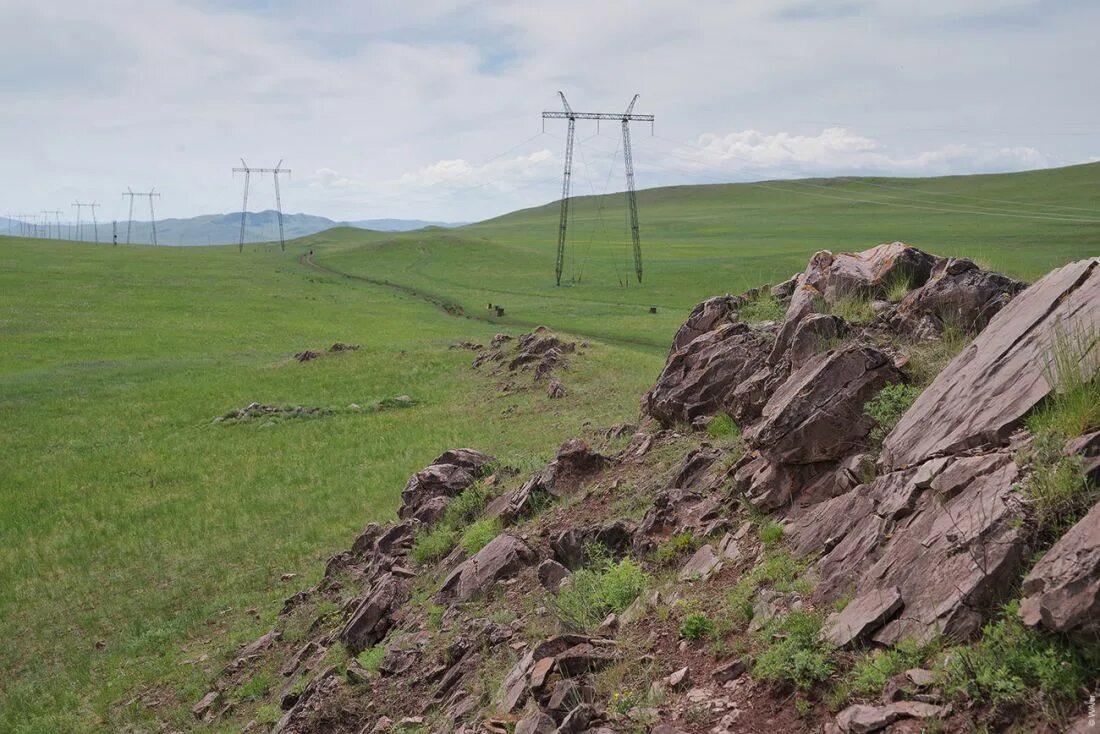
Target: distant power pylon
(152, 215)
(626, 118)
(278, 169)
(80, 222)
(57, 216)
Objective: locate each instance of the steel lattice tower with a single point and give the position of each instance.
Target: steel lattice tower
(275, 172)
(632, 198)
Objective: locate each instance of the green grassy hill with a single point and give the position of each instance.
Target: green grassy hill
(702, 240)
(136, 535)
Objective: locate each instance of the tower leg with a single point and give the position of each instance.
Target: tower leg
(632, 200)
(244, 210)
(565, 199)
(153, 219)
(279, 210)
(130, 221)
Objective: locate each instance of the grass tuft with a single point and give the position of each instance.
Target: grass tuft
(763, 307)
(480, 534)
(793, 651)
(887, 408)
(598, 590)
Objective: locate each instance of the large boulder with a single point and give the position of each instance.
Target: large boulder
(698, 379)
(959, 294)
(982, 395)
(446, 477)
(705, 317)
(870, 273)
(817, 414)
(374, 615)
(1062, 592)
(946, 538)
(503, 557)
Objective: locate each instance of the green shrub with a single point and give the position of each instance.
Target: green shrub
(887, 408)
(255, 689)
(875, 668)
(433, 544)
(371, 658)
(854, 309)
(770, 533)
(778, 569)
(898, 288)
(598, 590)
(927, 359)
(480, 534)
(792, 651)
(722, 426)
(1013, 665)
(1058, 491)
(763, 307)
(467, 505)
(677, 545)
(696, 625)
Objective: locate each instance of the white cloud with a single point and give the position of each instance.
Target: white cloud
(391, 106)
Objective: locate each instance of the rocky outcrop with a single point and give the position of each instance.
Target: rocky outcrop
(501, 558)
(704, 318)
(817, 414)
(982, 395)
(446, 477)
(959, 294)
(374, 615)
(700, 377)
(1062, 592)
(870, 273)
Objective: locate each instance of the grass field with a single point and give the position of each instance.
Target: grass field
(136, 535)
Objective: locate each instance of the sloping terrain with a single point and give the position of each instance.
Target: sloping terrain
(828, 519)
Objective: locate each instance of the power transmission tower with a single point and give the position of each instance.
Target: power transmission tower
(278, 169)
(152, 215)
(80, 223)
(57, 216)
(626, 118)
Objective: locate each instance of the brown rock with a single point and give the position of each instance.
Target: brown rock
(699, 378)
(374, 615)
(860, 719)
(552, 574)
(982, 395)
(206, 705)
(555, 390)
(704, 318)
(863, 616)
(504, 556)
(678, 680)
(958, 294)
(817, 414)
(447, 476)
(570, 546)
(1062, 592)
(702, 565)
(729, 670)
(536, 723)
(585, 658)
(1088, 448)
(812, 335)
(540, 672)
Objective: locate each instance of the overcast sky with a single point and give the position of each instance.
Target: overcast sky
(431, 109)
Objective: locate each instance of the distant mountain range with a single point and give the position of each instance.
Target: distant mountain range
(225, 229)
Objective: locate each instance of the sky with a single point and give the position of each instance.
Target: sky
(432, 109)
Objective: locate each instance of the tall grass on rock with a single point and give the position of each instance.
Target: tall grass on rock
(599, 589)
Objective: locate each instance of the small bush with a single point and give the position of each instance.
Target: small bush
(598, 590)
(887, 408)
(676, 546)
(479, 535)
(722, 426)
(371, 658)
(254, 689)
(778, 569)
(1058, 491)
(898, 288)
(874, 669)
(1014, 665)
(762, 308)
(854, 309)
(793, 651)
(696, 626)
(433, 544)
(770, 533)
(927, 359)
